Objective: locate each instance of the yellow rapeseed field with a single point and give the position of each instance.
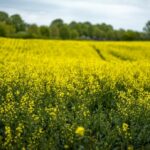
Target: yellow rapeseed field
(78, 95)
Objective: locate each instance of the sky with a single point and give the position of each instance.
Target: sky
(127, 14)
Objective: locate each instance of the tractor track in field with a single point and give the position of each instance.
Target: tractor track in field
(99, 53)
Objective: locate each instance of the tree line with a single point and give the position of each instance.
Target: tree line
(14, 26)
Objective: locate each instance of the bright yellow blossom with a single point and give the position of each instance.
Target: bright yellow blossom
(80, 131)
(66, 146)
(125, 127)
(130, 147)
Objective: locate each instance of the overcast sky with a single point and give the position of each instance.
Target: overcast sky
(127, 14)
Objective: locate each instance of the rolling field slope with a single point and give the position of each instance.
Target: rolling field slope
(74, 95)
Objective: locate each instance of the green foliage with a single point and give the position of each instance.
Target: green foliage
(54, 32)
(130, 35)
(64, 32)
(6, 30)
(147, 30)
(17, 22)
(33, 31)
(57, 22)
(74, 30)
(4, 17)
(2, 30)
(44, 31)
(74, 34)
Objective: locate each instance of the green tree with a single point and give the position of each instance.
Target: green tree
(4, 17)
(86, 29)
(17, 22)
(6, 30)
(119, 34)
(57, 22)
(56, 29)
(2, 30)
(64, 32)
(97, 34)
(147, 27)
(44, 31)
(76, 26)
(147, 30)
(130, 35)
(74, 34)
(54, 32)
(33, 31)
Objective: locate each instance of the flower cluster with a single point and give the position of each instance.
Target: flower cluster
(74, 95)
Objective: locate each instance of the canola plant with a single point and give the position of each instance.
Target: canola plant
(74, 95)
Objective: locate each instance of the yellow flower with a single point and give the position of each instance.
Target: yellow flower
(130, 147)
(66, 146)
(80, 131)
(19, 130)
(23, 148)
(8, 135)
(125, 127)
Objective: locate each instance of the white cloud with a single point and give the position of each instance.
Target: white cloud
(127, 14)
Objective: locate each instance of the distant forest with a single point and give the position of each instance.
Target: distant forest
(15, 27)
